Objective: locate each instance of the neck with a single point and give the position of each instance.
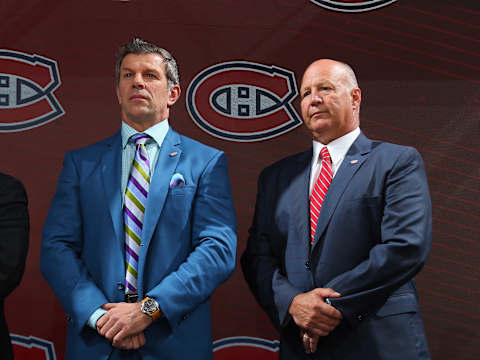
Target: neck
(141, 124)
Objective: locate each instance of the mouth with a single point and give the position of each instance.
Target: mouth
(137, 97)
(319, 114)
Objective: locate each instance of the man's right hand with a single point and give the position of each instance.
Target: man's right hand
(132, 342)
(312, 314)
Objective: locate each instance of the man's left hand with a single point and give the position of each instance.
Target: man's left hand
(309, 341)
(121, 321)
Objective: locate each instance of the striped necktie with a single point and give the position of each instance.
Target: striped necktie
(134, 209)
(320, 190)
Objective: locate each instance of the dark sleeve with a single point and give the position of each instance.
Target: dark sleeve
(406, 234)
(261, 261)
(14, 229)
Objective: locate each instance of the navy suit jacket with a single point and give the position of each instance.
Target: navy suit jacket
(373, 236)
(188, 246)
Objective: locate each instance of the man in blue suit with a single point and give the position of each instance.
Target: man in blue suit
(336, 240)
(153, 303)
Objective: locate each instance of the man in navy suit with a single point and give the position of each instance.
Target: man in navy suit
(186, 242)
(343, 286)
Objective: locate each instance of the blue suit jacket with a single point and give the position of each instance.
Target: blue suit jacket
(188, 249)
(372, 237)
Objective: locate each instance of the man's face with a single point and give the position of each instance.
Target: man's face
(142, 90)
(330, 103)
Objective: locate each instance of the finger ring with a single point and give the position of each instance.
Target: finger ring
(306, 337)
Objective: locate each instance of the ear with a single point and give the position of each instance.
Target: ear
(118, 95)
(356, 98)
(173, 95)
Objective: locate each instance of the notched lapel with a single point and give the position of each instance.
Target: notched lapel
(300, 201)
(111, 175)
(356, 156)
(168, 158)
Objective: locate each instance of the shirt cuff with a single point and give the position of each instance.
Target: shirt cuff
(97, 314)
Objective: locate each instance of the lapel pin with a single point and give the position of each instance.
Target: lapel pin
(174, 153)
(353, 162)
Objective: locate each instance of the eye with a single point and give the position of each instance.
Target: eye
(305, 93)
(127, 75)
(151, 76)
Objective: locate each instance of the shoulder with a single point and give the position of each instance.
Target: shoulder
(191, 144)
(287, 163)
(11, 187)
(97, 148)
(392, 158)
(381, 150)
(8, 181)
(393, 152)
(196, 152)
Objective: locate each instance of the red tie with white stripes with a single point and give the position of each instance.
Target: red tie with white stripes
(320, 190)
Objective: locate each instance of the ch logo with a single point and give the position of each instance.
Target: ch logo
(32, 348)
(352, 5)
(243, 101)
(245, 347)
(27, 83)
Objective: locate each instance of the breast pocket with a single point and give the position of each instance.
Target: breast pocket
(179, 203)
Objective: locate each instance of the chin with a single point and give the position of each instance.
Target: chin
(318, 126)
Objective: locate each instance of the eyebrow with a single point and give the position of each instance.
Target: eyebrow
(147, 70)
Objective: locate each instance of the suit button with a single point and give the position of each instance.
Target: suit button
(308, 266)
(120, 286)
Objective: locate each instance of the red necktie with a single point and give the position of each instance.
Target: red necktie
(320, 190)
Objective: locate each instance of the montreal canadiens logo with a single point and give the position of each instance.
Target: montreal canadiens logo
(243, 101)
(352, 5)
(32, 348)
(245, 347)
(27, 83)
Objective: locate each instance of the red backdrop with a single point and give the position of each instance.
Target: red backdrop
(417, 64)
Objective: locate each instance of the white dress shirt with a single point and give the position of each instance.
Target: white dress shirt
(337, 148)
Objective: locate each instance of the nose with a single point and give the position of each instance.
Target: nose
(138, 81)
(316, 98)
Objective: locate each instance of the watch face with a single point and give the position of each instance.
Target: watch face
(149, 306)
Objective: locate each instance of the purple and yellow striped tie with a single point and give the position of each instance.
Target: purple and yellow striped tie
(134, 209)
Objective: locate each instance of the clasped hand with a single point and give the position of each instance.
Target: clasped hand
(314, 317)
(123, 325)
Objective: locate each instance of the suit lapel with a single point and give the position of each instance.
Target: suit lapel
(353, 160)
(111, 165)
(168, 157)
(300, 201)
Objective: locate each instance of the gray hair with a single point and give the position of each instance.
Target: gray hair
(138, 46)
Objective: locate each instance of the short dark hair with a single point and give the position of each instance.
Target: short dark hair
(138, 46)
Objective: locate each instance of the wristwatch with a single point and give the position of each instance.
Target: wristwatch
(150, 308)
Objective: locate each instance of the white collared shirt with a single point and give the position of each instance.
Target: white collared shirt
(157, 132)
(337, 148)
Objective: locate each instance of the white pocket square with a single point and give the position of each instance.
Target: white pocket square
(177, 180)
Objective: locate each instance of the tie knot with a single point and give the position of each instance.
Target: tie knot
(325, 154)
(139, 138)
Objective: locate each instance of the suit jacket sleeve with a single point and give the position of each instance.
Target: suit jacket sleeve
(260, 261)
(14, 229)
(214, 240)
(60, 260)
(406, 231)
